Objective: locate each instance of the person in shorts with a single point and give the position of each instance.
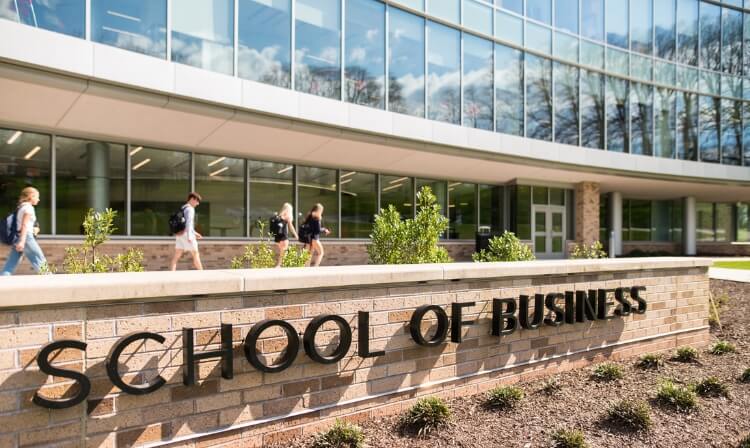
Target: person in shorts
(281, 234)
(187, 240)
(311, 238)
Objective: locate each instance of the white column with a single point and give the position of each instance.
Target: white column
(615, 219)
(688, 226)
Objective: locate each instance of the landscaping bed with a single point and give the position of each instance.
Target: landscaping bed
(577, 401)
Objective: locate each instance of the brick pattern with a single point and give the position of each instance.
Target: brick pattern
(305, 398)
(587, 212)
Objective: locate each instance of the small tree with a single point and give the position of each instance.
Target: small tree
(262, 255)
(583, 251)
(506, 247)
(410, 241)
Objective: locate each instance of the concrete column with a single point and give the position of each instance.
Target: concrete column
(688, 226)
(97, 188)
(587, 212)
(615, 219)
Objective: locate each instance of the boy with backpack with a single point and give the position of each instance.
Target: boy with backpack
(182, 225)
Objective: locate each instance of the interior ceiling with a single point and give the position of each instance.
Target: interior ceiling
(53, 103)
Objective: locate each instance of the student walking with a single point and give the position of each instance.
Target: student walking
(27, 227)
(310, 234)
(186, 239)
(281, 223)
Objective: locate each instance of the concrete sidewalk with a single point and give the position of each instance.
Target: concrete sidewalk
(735, 275)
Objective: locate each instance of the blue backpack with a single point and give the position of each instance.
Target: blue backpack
(9, 229)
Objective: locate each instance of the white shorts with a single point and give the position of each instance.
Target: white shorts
(181, 243)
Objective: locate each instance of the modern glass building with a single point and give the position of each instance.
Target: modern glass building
(561, 120)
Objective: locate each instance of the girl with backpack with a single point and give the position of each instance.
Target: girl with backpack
(311, 235)
(26, 225)
(280, 225)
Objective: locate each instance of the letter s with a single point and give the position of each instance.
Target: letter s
(45, 366)
(634, 294)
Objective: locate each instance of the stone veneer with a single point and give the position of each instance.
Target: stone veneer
(587, 212)
(253, 408)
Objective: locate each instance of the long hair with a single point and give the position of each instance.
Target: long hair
(287, 207)
(26, 194)
(315, 208)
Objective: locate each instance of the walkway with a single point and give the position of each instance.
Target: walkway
(735, 275)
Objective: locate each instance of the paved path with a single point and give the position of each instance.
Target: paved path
(735, 275)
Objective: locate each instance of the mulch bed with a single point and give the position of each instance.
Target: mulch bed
(581, 403)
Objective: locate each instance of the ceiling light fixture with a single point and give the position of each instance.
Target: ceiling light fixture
(454, 184)
(284, 170)
(32, 153)
(14, 137)
(135, 150)
(344, 182)
(392, 187)
(219, 160)
(140, 164)
(219, 171)
(350, 173)
(398, 180)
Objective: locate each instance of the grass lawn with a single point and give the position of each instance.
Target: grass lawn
(732, 264)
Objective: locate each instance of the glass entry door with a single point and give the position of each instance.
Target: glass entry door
(549, 231)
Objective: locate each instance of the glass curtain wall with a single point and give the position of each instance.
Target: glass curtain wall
(462, 210)
(221, 183)
(271, 185)
(397, 191)
(439, 189)
(617, 99)
(203, 34)
(135, 25)
(509, 90)
(365, 53)
(665, 120)
(406, 63)
(491, 208)
(641, 119)
(687, 32)
(665, 23)
(265, 41)
(61, 16)
(618, 23)
(359, 203)
(710, 122)
(319, 186)
(538, 98)
(593, 110)
(317, 53)
(477, 82)
(443, 73)
(641, 25)
(566, 104)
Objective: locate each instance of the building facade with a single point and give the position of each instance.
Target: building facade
(561, 120)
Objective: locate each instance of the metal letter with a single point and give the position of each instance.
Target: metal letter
(345, 341)
(42, 360)
(457, 319)
(363, 340)
(503, 322)
(113, 359)
(292, 347)
(415, 325)
(189, 356)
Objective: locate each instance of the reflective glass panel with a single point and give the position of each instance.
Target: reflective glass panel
(557, 197)
(710, 82)
(318, 186)
(540, 10)
(746, 46)
(566, 104)
(687, 31)
(271, 185)
(159, 185)
(399, 192)
(592, 109)
(731, 132)
(203, 34)
(704, 221)
(710, 33)
(509, 88)
(538, 98)
(318, 47)
(462, 211)
(477, 82)
(221, 183)
(687, 126)
(746, 133)
(444, 73)
(25, 162)
(640, 220)
(710, 121)
(511, 5)
(724, 222)
(743, 222)
(540, 195)
(592, 54)
(265, 36)
(61, 16)
(641, 119)
(617, 61)
(406, 63)
(449, 10)
(665, 119)
(415, 4)
(522, 212)
(664, 28)
(491, 207)
(135, 25)
(641, 26)
(566, 15)
(617, 23)
(566, 47)
(538, 38)
(509, 27)
(90, 174)
(359, 203)
(641, 67)
(664, 72)
(478, 16)
(365, 53)
(731, 36)
(618, 137)
(592, 19)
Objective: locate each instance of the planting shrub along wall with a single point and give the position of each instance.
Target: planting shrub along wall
(140, 359)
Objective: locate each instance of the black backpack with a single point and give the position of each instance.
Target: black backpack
(9, 228)
(177, 222)
(305, 233)
(275, 225)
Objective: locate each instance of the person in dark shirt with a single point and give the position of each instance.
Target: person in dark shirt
(314, 230)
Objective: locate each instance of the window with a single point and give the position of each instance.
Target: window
(641, 119)
(509, 89)
(318, 47)
(746, 38)
(478, 16)
(221, 183)
(538, 38)
(636, 220)
(491, 208)
(439, 189)
(724, 222)
(666, 221)
(618, 137)
(318, 186)
(449, 10)
(61, 16)
(359, 203)
(566, 104)
(664, 28)
(604, 219)
(139, 25)
(731, 36)
(540, 10)
(477, 82)
(566, 47)
(687, 126)
(743, 222)
(365, 53)
(509, 28)
(522, 212)
(203, 34)
(397, 191)
(25, 162)
(592, 19)
(444, 73)
(687, 31)
(592, 54)
(746, 132)
(265, 32)
(592, 109)
(90, 174)
(538, 98)
(704, 222)
(617, 23)
(415, 4)
(566, 15)
(710, 120)
(271, 185)
(664, 122)
(731, 132)
(462, 210)
(641, 22)
(159, 184)
(406, 63)
(511, 5)
(710, 36)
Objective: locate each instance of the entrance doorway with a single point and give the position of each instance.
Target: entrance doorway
(548, 224)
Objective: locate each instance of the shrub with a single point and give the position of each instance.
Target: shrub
(632, 414)
(506, 247)
(686, 354)
(595, 250)
(505, 397)
(721, 348)
(712, 387)
(676, 396)
(341, 435)
(427, 414)
(263, 255)
(745, 443)
(607, 372)
(410, 241)
(745, 377)
(568, 438)
(551, 386)
(650, 361)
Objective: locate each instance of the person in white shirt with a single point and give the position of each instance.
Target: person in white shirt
(26, 225)
(187, 240)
